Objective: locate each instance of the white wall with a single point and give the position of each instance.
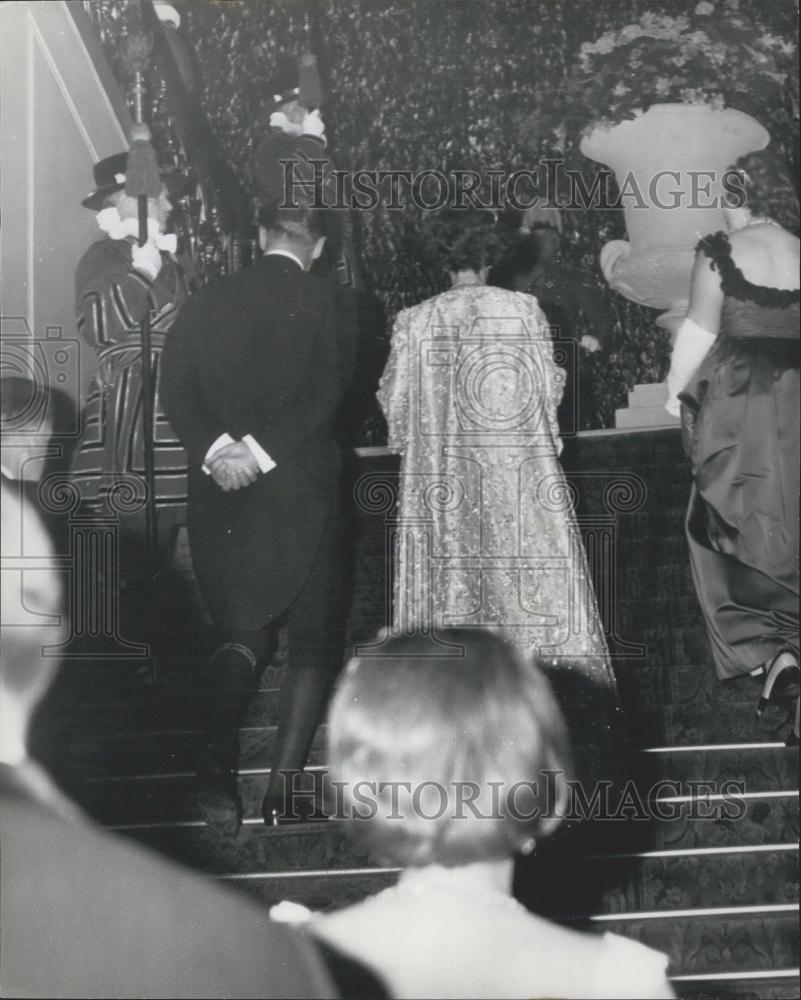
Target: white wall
(60, 111)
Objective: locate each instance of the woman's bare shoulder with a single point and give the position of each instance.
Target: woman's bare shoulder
(767, 255)
(754, 239)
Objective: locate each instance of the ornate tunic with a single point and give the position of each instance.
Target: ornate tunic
(111, 298)
(486, 535)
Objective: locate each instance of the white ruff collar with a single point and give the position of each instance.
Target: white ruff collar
(110, 222)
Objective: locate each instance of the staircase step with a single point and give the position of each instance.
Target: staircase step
(145, 757)
(618, 885)
(764, 821)
(706, 942)
(692, 725)
(649, 394)
(643, 415)
(170, 752)
(759, 766)
(172, 799)
(770, 821)
(655, 711)
(255, 849)
(675, 777)
(628, 884)
(774, 985)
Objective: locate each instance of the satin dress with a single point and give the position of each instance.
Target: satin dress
(742, 521)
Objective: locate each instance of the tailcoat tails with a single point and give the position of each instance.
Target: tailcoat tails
(267, 352)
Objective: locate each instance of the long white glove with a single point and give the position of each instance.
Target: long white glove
(692, 346)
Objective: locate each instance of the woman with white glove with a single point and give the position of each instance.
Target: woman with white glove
(736, 368)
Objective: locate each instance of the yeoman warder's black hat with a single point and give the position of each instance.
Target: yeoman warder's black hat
(110, 175)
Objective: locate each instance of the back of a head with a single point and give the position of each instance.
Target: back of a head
(443, 724)
(300, 225)
(23, 404)
(461, 239)
(31, 601)
(27, 422)
(769, 188)
(528, 253)
(547, 241)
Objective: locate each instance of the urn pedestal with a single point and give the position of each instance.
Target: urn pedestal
(669, 165)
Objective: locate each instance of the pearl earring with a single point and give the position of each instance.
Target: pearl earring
(528, 846)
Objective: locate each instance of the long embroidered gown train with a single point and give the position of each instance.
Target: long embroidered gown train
(486, 534)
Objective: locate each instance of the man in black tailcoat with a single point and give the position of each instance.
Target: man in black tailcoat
(255, 368)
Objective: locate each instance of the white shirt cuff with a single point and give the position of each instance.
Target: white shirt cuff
(221, 442)
(261, 456)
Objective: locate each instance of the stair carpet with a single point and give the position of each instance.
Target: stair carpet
(713, 881)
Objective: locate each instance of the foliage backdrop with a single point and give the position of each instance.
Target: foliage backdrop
(437, 84)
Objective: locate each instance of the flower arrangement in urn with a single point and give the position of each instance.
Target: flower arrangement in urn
(714, 56)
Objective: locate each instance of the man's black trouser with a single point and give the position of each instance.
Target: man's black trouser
(313, 623)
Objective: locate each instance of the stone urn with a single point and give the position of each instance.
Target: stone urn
(669, 165)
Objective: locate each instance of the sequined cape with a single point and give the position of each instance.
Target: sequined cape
(486, 534)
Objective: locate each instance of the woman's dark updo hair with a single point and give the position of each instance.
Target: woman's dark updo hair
(769, 188)
(461, 239)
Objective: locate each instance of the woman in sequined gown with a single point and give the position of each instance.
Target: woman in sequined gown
(486, 534)
(742, 522)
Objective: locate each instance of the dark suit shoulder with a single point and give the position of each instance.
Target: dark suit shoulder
(253, 294)
(321, 289)
(212, 303)
(281, 276)
(112, 919)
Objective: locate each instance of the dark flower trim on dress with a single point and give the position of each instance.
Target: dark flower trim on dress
(734, 283)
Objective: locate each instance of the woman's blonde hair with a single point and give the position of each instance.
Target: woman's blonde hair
(449, 751)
